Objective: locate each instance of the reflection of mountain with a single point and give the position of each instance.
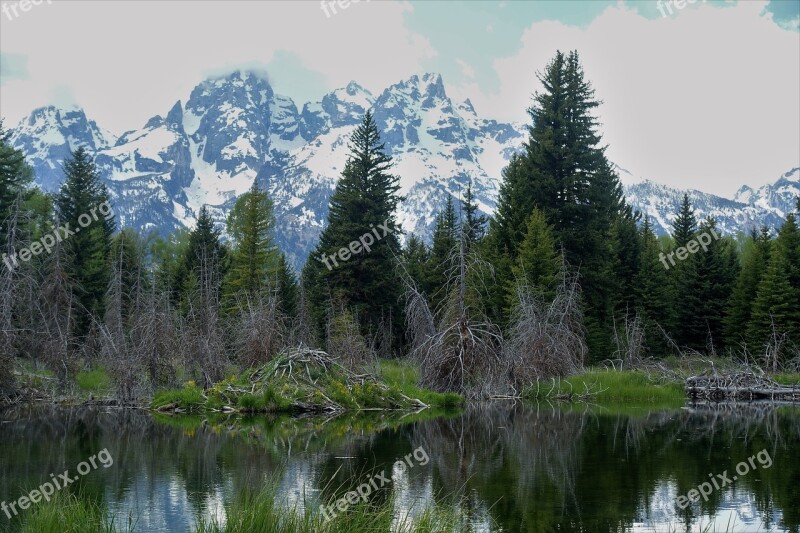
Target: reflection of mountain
(522, 468)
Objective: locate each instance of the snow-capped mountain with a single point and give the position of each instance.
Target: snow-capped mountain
(749, 209)
(234, 129)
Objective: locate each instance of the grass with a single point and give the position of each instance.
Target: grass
(68, 513)
(787, 379)
(603, 386)
(95, 381)
(405, 377)
(265, 512)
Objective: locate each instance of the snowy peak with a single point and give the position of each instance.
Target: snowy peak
(49, 134)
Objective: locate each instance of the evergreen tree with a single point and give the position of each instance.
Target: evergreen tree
(685, 225)
(416, 258)
(363, 203)
(445, 239)
(710, 278)
(204, 263)
(565, 173)
(538, 262)
(474, 223)
(654, 291)
(754, 264)
(287, 288)
(626, 249)
(87, 249)
(15, 179)
(779, 290)
(254, 257)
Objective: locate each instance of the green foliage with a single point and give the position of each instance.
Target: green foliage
(364, 200)
(287, 287)
(87, 251)
(612, 387)
(204, 262)
(754, 261)
(654, 292)
(254, 259)
(538, 263)
(778, 292)
(94, 381)
(474, 223)
(685, 225)
(708, 280)
(15, 181)
(565, 173)
(445, 240)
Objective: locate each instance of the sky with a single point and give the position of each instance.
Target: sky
(702, 95)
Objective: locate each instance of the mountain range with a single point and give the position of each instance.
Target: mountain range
(234, 129)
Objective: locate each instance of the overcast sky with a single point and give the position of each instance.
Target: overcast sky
(707, 97)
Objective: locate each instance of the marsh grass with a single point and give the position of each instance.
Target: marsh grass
(602, 386)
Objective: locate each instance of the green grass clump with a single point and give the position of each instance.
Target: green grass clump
(404, 376)
(605, 386)
(267, 512)
(66, 512)
(787, 379)
(96, 381)
(189, 398)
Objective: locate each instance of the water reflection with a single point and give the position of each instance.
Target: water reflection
(507, 466)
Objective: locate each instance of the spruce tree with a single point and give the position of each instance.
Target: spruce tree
(565, 173)
(755, 259)
(473, 224)
(779, 290)
(363, 203)
(416, 257)
(254, 257)
(15, 179)
(443, 248)
(654, 292)
(709, 279)
(204, 263)
(538, 262)
(287, 288)
(685, 225)
(87, 249)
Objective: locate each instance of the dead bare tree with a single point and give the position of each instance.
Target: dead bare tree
(629, 341)
(55, 306)
(8, 292)
(461, 353)
(546, 339)
(345, 342)
(260, 330)
(201, 340)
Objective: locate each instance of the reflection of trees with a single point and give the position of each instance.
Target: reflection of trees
(547, 469)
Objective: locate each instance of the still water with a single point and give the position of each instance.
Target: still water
(506, 466)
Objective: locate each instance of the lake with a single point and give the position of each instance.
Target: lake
(506, 466)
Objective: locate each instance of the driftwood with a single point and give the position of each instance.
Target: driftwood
(740, 386)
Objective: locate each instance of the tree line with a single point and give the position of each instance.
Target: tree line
(565, 273)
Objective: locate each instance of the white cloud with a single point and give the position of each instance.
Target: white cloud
(126, 61)
(706, 99)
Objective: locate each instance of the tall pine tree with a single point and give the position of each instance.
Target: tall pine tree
(87, 250)
(565, 173)
(364, 202)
